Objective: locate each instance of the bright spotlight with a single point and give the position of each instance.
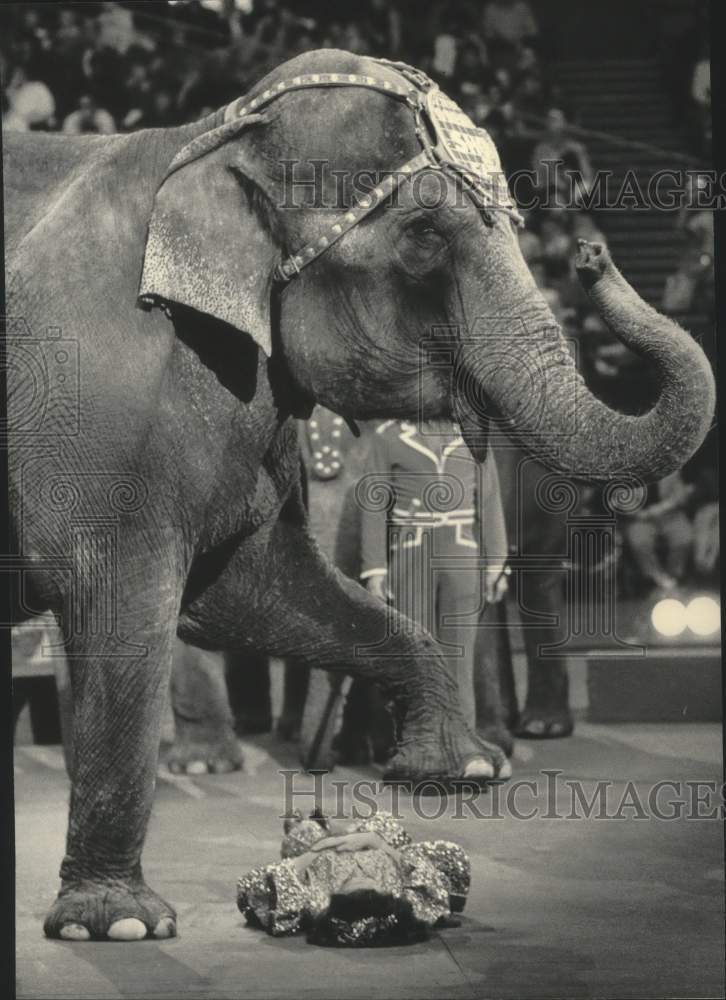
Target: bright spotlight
(703, 615)
(669, 617)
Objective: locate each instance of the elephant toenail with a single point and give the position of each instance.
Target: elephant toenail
(197, 767)
(479, 768)
(175, 767)
(128, 929)
(75, 932)
(166, 928)
(505, 771)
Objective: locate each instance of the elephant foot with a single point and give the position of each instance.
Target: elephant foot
(545, 724)
(445, 753)
(196, 750)
(499, 735)
(115, 910)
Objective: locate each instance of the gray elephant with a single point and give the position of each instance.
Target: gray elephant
(163, 496)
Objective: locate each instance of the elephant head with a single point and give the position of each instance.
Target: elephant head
(438, 265)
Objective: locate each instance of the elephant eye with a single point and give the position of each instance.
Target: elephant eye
(424, 231)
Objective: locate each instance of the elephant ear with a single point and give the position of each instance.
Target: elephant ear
(207, 246)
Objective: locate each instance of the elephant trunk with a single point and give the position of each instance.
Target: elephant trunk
(532, 380)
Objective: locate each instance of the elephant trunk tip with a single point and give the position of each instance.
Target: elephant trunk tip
(591, 262)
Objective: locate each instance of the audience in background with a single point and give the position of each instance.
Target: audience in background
(701, 95)
(119, 54)
(702, 472)
(508, 24)
(691, 286)
(30, 101)
(660, 534)
(683, 34)
(89, 118)
(557, 147)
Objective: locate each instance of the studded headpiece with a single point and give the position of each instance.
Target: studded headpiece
(449, 139)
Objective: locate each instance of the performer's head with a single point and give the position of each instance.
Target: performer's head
(364, 917)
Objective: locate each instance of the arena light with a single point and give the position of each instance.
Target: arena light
(703, 615)
(669, 617)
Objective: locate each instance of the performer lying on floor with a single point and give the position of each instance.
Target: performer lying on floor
(356, 883)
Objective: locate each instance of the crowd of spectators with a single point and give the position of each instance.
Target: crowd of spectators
(198, 56)
(684, 45)
(683, 48)
(108, 67)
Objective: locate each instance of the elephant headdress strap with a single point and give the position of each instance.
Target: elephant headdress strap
(451, 143)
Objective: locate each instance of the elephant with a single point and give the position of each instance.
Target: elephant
(155, 488)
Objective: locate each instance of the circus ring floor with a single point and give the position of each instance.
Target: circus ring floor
(585, 907)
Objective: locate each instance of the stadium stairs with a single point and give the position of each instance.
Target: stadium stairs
(624, 99)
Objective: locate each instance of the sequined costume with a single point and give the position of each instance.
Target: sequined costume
(433, 876)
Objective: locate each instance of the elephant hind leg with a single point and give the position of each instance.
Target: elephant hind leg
(204, 741)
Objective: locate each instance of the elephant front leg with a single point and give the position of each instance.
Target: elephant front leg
(119, 693)
(301, 607)
(204, 737)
